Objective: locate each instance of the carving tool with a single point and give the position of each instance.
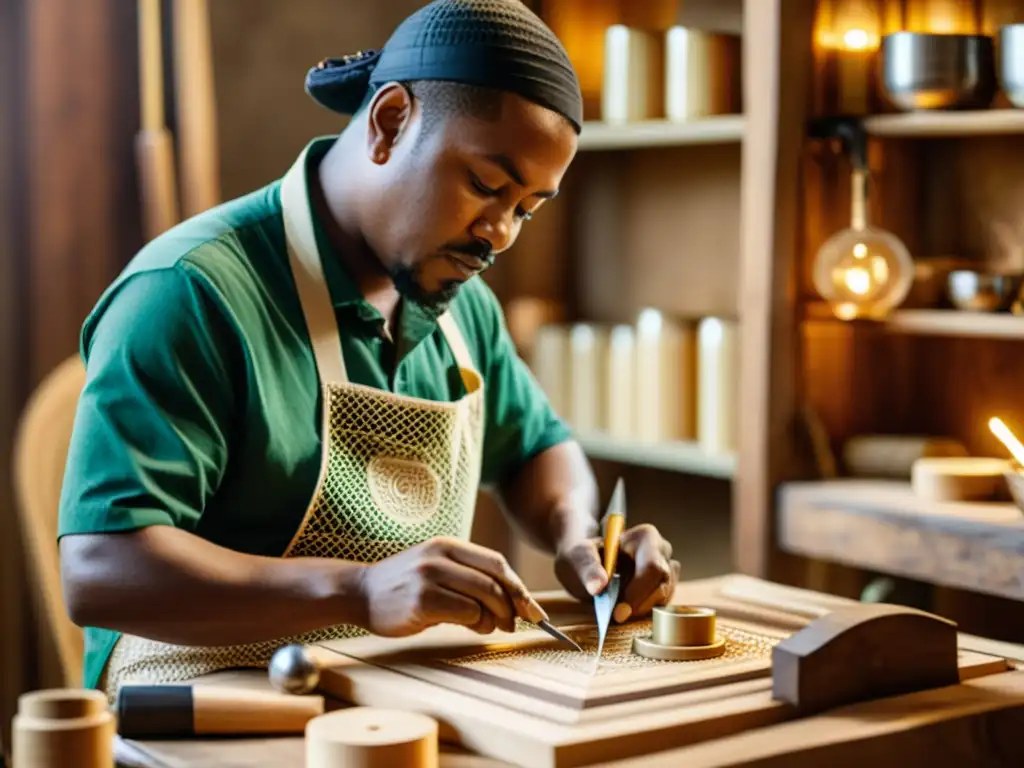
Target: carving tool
(550, 628)
(605, 601)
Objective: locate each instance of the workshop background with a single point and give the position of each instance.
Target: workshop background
(670, 301)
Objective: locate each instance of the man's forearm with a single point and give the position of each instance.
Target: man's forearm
(170, 585)
(553, 497)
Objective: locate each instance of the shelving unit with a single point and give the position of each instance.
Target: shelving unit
(949, 184)
(661, 133)
(678, 456)
(648, 217)
(883, 526)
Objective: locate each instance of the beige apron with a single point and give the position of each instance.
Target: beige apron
(395, 470)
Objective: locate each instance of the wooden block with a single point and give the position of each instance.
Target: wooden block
(972, 478)
(364, 737)
(862, 652)
(62, 727)
(894, 455)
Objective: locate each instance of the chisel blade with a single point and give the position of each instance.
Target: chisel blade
(604, 604)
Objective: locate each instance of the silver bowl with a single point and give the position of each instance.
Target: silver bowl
(924, 71)
(983, 291)
(1011, 63)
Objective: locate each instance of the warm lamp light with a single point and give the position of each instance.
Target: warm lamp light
(848, 34)
(1007, 438)
(861, 271)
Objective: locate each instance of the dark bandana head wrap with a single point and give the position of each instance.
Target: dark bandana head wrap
(498, 44)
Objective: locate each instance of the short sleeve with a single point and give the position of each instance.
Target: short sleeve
(520, 422)
(150, 439)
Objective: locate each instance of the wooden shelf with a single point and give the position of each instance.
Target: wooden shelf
(679, 456)
(934, 322)
(661, 133)
(883, 526)
(987, 122)
(951, 322)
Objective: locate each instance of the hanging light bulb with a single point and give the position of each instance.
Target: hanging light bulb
(863, 272)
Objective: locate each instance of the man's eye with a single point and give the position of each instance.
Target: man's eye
(482, 188)
(524, 215)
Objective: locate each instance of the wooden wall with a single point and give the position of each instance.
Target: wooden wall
(68, 222)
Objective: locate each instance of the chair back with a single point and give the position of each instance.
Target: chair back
(40, 455)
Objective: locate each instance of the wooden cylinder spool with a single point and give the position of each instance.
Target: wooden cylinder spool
(61, 727)
(367, 737)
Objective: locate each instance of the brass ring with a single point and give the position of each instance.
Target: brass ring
(683, 625)
(644, 646)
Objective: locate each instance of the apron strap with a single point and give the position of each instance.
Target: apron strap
(456, 342)
(304, 257)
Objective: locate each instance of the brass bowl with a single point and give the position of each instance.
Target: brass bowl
(927, 71)
(975, 291)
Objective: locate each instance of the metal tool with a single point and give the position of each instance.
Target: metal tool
(605, 601)
(556, 633)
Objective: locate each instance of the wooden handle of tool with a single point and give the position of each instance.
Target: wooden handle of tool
(237, 711)
(612, 533)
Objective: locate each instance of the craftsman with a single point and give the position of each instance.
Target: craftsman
(292, 399)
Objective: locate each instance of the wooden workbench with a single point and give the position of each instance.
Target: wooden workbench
(976, 722)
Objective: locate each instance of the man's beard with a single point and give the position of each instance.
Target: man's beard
(433, 303)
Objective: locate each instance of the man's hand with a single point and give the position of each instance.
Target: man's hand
(444, 581)
(645, 564)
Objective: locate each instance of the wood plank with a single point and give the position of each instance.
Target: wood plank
(938, 322)
(678, 456)
(975, 723)
(776, 75)
(985, 122)
(884, 526)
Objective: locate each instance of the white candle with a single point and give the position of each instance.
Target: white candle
(718, 381)
(549, 363)
(631, 89)
(664, 389)
(587, 349)
(620, 394)
(687, 89)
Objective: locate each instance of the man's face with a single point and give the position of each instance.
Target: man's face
(458, 196)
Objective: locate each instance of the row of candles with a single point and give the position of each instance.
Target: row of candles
(681, 75)
(656, 380)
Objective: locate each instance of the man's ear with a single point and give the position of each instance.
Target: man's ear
(388, 117)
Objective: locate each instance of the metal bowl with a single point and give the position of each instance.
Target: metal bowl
(1011, 63)
(925, 71)
(983, 291)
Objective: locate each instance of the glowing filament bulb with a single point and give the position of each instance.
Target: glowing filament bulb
(857, 280)
(855, 39)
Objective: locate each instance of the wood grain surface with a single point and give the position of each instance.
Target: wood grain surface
(882, 525)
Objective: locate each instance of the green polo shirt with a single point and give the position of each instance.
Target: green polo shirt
(201, 404)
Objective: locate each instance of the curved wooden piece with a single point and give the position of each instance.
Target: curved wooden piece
(862, 652)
